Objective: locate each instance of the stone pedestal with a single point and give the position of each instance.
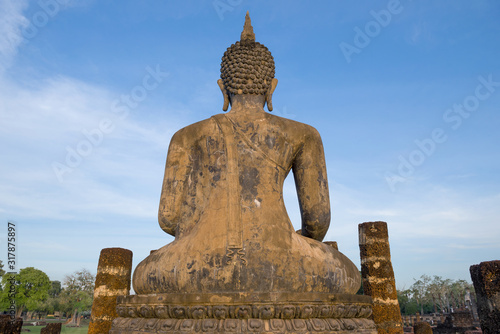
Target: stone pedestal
(244, 313)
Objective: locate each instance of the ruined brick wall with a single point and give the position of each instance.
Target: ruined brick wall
(462, 319)
(378, 276)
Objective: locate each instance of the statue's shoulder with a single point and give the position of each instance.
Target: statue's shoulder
(195, 130)
(294, 127)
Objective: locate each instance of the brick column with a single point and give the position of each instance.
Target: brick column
(486, 279)
(378, 276)
(112, 280)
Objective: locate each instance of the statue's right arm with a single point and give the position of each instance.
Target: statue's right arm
(174, 182)
(309, 171)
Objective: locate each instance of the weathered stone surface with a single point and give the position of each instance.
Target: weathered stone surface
(10, 326)
(54, 328)
(486, 279)
(112, 280)
(422, 328)
(378, 276)
(332, 244)
(222, 197)
(238, 312)
(268, 326)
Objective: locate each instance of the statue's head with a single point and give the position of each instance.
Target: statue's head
(247, 68)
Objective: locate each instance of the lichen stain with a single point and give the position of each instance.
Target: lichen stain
(249, 181)
(270, 141)
(216, 172)
(322, 181)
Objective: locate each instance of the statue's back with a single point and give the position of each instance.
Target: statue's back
(232, 229)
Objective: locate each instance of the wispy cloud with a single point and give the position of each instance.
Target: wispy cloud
(12, 22)
(474, 245)
(41, 122)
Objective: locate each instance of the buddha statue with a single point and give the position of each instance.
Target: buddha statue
(222, 197)
(237, 265)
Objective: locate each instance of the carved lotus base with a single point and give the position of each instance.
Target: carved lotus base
(244, 313)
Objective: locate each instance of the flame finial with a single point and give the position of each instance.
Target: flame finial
(247, 33)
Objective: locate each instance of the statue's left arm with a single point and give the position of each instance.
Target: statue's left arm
(309, 171)
(174, 183)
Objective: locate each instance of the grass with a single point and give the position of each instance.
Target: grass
(66, 330)
(75, 330)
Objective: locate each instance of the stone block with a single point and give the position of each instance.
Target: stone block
(486, 279)
(422, 328)
(10, 326)
(54, 328)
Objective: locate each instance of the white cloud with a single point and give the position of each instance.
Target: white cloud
(11, 23)
(109, 199)
(427, 224)
(43, 121)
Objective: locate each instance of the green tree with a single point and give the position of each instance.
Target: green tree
(420, 291)
(433, 295)
(31, 287)
(81, 280)
(78, 291)
(2, 272)
(55, 289)
(439, 289)
(361, 290)
(53, 302)
(458, 291)
(448, 294)
(407, 303)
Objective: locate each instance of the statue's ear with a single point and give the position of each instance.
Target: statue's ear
(269, 94)
(224, 93)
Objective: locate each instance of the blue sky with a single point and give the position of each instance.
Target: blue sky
(405, 94)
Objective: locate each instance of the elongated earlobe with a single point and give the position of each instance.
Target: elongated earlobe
(224, 93)
(269, 94)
